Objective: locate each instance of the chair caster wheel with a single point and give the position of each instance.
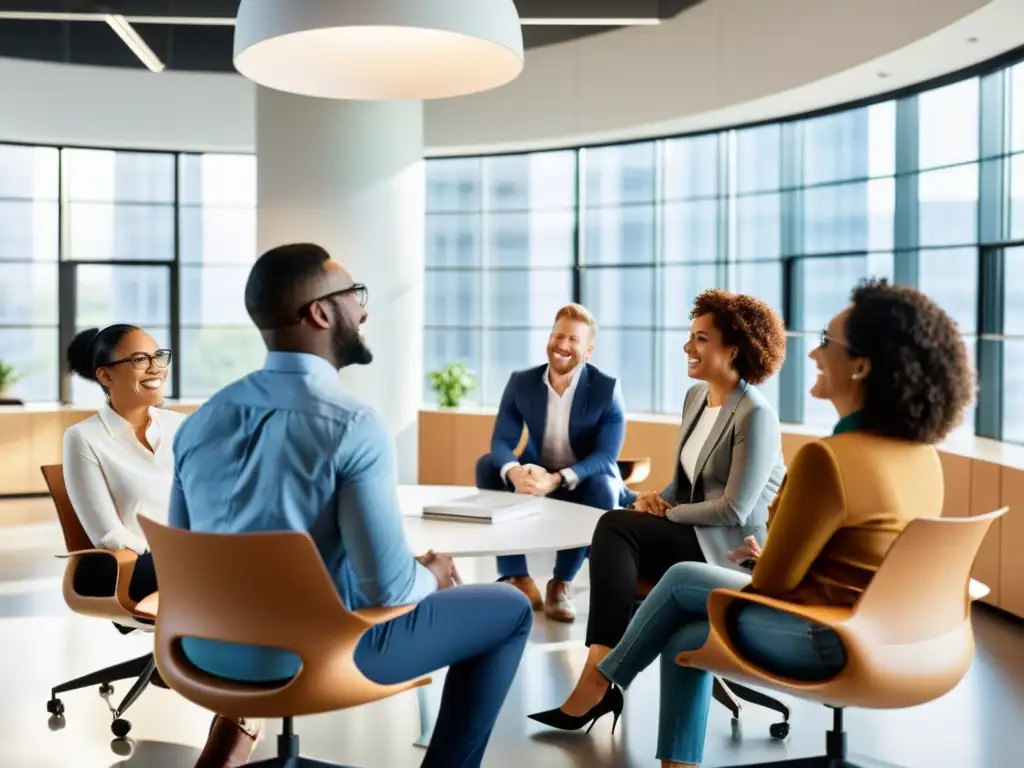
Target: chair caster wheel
(737, 728)
(56, 723)
(120, 727)
(106, 690)
(779, 730)
(55, 707)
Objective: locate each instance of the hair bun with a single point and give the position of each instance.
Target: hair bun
(80, 354)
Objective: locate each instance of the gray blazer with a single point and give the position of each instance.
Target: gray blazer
(739, 471)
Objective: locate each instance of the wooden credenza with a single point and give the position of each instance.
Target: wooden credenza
(32, 436)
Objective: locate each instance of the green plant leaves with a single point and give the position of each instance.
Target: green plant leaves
(8, 376)
(452, 383)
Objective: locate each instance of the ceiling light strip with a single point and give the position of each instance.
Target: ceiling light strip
(606, 22)
(51, 16)
(227, 21)
(185, 21)
(135, 42)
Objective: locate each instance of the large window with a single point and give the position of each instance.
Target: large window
(92, 237)
(500, 250)
(618, 258)
(29, 234)
(217, 245)
(927, 190)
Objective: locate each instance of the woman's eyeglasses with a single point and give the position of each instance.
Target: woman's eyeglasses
(826, 339)
(141, 360)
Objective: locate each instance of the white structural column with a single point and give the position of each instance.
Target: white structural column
(348, 175)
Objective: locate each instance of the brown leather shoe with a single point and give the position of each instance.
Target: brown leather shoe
(528, 587)
(558, 602)
(230, 743)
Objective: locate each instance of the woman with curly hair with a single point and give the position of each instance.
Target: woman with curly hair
(897, 371)
(728, 469)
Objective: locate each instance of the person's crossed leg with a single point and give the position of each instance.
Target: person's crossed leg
(599, 491)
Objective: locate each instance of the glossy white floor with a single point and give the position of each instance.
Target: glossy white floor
(42, 643)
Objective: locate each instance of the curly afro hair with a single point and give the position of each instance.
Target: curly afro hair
(921, 378)
(750, 325)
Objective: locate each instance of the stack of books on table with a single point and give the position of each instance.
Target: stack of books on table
(484, 508)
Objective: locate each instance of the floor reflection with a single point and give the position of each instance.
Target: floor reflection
(151, 754)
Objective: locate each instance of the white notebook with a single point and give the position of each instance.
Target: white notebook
(484, 508)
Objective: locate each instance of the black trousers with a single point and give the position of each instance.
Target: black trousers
(628, 547)
(97, 576)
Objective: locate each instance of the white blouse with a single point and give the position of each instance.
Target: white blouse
(695, 442)
(112, 478)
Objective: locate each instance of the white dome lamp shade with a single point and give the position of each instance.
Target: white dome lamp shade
(379, 49)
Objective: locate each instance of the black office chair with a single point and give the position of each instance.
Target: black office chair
(118, 608)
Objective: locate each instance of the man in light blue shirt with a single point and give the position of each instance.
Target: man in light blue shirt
(288, 449)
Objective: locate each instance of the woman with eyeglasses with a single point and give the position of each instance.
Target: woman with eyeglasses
(896, 368)
(119, 464)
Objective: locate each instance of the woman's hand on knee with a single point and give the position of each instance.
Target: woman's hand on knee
(651, 503)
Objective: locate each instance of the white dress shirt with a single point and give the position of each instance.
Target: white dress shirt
(555, 451)
(112, 478)
(695, 442)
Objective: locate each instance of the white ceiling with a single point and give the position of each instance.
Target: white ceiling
(978, 37)
(723, 63)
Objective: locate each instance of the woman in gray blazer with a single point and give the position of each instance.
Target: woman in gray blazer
(729, 467)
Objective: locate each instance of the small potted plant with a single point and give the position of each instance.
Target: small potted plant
(8, 378)
(452, 383)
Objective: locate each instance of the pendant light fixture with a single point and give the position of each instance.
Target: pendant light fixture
(379, 49)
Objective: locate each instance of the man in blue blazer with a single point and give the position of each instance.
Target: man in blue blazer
(576, 424)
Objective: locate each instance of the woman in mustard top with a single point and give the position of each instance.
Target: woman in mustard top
(897, 370)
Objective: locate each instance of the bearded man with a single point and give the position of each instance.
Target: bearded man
(576, 424)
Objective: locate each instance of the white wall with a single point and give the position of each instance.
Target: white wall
(607, 87)
(108, 107)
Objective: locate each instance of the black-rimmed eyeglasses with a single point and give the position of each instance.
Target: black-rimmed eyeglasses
(827, 338)
(358, 290)
(142, 360)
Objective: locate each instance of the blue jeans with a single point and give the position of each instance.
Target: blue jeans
(598, 491)
(478, 631)
(673, 618)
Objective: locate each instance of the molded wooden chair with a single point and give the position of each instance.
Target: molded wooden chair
(908, 639)
(634, 471)
(118, 608)
(265, 589)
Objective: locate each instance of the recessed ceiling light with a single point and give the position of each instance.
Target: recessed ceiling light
(885, 75)
(973, 39)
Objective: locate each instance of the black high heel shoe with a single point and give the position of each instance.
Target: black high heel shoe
(556, 718)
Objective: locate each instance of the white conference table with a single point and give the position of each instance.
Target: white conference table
(560, 525)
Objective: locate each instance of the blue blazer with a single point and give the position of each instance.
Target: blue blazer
(597, 421)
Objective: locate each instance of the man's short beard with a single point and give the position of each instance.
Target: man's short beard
(350, 349)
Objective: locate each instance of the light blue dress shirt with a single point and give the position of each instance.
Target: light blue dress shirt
(288, 449)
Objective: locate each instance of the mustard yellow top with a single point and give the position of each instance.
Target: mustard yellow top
(843, 502)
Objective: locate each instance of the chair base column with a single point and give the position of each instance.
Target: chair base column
(288, 752)
(835, 750)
